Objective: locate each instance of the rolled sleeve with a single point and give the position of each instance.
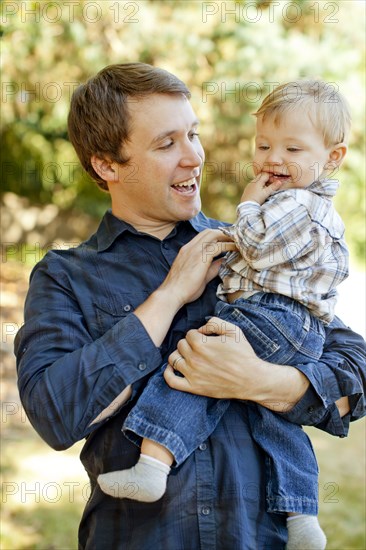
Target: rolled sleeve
(129, 339)
(66, 377)
(339, 373)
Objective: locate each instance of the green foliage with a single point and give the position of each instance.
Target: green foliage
(229, 53)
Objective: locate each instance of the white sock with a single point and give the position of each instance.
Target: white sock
(146, 481)
(305, 533)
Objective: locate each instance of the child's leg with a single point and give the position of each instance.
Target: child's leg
(304, 533)
(282, 331)
(179, 421)
(146, 481)
(157, 451)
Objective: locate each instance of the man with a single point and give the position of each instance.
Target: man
(100, 318)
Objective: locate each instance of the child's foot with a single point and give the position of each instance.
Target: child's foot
(305, 533)
(146, 481)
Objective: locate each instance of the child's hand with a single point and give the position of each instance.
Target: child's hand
(258, 190)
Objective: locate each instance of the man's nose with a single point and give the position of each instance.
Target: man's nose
(192, 154)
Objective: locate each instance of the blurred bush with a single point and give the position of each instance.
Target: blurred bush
(229, 53)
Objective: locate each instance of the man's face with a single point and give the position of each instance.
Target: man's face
(292, 151)
(161, 183)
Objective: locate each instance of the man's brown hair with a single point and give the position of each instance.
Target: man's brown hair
(99, 118)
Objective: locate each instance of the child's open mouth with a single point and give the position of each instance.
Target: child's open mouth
(279, 177)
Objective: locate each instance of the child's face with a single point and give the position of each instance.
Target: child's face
(292, 150)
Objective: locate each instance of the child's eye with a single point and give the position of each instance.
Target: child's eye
(263, 147)
(192, 135)
(293, 149)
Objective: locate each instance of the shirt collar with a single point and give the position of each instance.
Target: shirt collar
(112, 227)
(326, 187)
(109, 229)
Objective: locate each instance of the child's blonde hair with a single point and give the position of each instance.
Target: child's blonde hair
(332, 114)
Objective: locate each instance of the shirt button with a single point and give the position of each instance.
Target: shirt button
(202, 447)
(142, 366)
(165, 245)
(205, 510)
(127, 308)
(310, 409)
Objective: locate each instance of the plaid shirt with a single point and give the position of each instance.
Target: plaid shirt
(293, 245)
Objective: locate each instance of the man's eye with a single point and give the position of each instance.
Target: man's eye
(263, 147)
(167, 145)
(293, 149)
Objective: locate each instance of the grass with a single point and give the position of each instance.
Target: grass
(342, 487)
(43, 495)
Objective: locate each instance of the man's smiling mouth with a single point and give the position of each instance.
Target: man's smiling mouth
(186, 187)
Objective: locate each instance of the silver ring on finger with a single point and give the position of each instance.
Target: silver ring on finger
(176, 361)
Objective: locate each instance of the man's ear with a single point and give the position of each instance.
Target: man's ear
(336, 156)
(104, 168)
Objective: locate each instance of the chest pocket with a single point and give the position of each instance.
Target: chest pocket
(109, 311)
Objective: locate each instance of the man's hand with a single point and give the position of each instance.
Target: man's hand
(258, 190)
(195, 266)
(214, 360)
(217, 361)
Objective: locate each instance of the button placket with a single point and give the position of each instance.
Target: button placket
(168, 252)
(205, 499)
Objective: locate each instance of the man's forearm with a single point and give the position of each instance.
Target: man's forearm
(290, 386)
(278, 387)
(156, 315)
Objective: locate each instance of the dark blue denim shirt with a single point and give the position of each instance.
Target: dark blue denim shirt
(81, 345)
